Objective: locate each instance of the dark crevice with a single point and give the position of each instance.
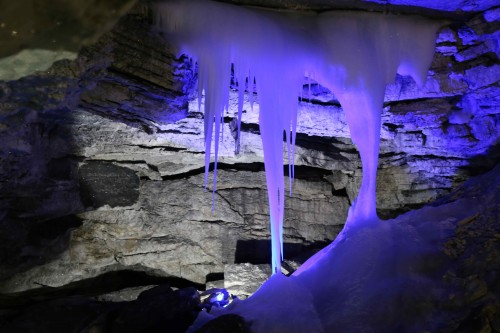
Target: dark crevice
(309, 172)
(341, 192)
(330, 146)
(253, 167)
(434, 157)
(257, 251)
(45, 230)
(172, 131)
(162, 148)
(216, 276)
(105, 283)
(423, 100)
(250, 128)
(315, 101)
(300, 171)
(482, 163)
(392, 127)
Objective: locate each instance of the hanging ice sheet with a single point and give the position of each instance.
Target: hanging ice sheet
(354, 54)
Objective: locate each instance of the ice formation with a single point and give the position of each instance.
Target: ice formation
(354, 54)
(386, 277)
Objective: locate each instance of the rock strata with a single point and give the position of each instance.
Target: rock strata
(101, 159)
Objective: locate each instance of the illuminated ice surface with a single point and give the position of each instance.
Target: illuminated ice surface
(382, 278)
(354, 54)
(391, 276)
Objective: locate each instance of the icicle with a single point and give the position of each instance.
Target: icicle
(201, 85)
(251, 80)
(241, 77)
(293, 135)
(221, 121)
(309, 88)
(354, 54)
(289, 159)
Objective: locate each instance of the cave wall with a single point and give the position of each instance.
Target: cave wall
(102, 158)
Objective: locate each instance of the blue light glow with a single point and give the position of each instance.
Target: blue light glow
(219, 297)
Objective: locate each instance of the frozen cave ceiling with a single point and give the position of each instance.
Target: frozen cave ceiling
(101, 158)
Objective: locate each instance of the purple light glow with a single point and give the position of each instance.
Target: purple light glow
(353, 54)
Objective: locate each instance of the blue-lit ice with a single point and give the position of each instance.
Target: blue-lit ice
(354, 54)
(392, 276)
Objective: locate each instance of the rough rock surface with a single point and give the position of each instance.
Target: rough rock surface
(434, 269)
(242, 280)
(101, 159)
(461, 295)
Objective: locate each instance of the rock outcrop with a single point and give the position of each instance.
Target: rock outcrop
(446, 272)
(101, 159)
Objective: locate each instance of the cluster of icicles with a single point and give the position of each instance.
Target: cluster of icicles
(353, 54)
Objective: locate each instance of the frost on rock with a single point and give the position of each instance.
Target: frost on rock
(353, 54)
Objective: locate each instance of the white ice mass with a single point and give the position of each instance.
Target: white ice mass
(354, 54)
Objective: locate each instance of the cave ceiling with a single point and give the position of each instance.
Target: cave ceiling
(67, 25)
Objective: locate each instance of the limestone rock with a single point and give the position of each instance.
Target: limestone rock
(242, 280)
(103, 183)
(126, 107)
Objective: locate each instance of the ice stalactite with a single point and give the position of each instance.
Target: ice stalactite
(354, 54)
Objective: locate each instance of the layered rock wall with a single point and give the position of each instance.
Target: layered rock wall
(102, 158)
